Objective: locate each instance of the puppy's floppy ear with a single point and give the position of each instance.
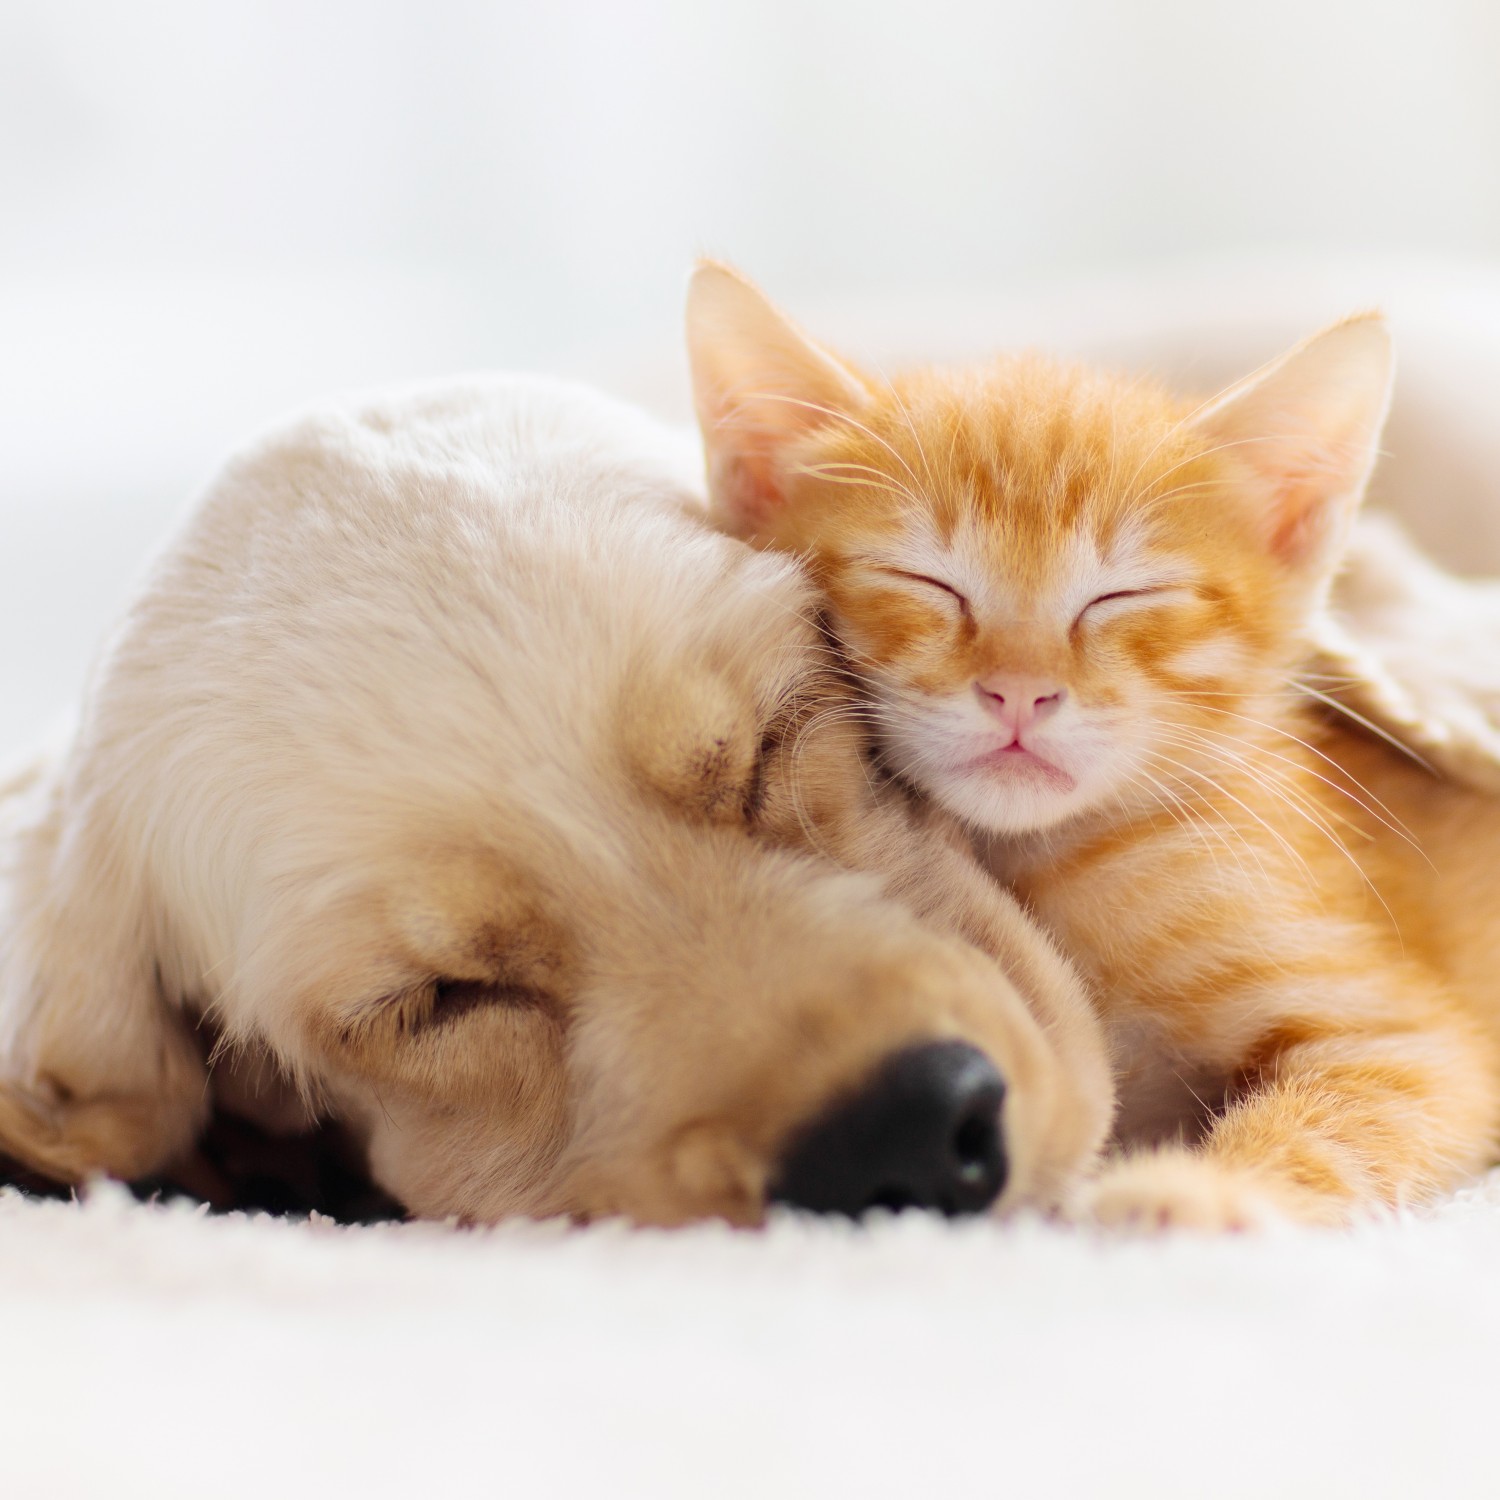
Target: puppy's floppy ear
(1304, 432)
(97, 1073)
(759, 385)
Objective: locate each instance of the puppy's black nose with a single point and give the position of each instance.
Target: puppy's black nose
(924, 1132)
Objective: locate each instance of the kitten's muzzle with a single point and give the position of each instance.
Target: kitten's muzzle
(923, 1132)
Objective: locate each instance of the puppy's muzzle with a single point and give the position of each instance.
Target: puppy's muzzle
(923, 1132)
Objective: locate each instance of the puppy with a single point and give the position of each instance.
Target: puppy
(474, 794)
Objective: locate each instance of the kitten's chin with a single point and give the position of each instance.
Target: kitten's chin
(1009, 802)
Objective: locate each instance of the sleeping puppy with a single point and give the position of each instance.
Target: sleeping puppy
(454, 776)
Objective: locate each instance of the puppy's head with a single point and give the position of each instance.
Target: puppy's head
(452, 761)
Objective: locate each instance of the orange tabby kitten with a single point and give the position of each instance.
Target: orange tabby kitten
(1078, 606)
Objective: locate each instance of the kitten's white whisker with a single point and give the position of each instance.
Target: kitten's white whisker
(1281, 840)
(1300, 694)
(1375, 807)
(1273, 782)
(1298, 802)
(1213, 818)
(1364, 723)
(836, 415)
(850, 473)
(911, 427)
(1190, 822)
(1201, 453)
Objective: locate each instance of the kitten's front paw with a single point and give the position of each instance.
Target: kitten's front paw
(1156, 1191)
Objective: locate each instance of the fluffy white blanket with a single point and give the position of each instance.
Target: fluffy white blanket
(156, 1352)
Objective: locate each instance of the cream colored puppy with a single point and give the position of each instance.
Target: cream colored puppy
(473, 793)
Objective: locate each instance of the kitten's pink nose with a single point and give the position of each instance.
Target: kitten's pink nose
(1020, 702)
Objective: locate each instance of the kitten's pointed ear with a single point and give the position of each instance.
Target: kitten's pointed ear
(1306, 428)
(759, 384)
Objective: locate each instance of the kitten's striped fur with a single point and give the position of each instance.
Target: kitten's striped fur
(1079, 608)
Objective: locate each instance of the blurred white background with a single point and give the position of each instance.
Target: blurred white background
(215, 212)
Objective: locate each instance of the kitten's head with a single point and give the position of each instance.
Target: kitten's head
(1060, 587)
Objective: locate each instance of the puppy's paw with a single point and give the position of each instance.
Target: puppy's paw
(1156, 1191)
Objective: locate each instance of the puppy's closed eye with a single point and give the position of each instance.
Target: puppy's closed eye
(478, 1035)
(424, 1008)
(452, 998)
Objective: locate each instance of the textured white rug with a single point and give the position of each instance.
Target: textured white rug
(156, 1352)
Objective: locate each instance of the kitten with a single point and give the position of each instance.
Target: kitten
(1078, 607)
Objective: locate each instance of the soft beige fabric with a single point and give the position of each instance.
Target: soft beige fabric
(1416, 651)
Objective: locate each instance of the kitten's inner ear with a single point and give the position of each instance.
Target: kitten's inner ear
(760, 385)
(1306, 429)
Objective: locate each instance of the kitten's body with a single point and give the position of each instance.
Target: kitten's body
(1239, 928)
(1079, 607)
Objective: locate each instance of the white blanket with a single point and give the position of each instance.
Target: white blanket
(155, 1352)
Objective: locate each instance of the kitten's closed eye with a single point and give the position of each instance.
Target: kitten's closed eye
(1107, 606)
(935, 583)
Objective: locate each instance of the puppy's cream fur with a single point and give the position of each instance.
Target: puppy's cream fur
(484, 799)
